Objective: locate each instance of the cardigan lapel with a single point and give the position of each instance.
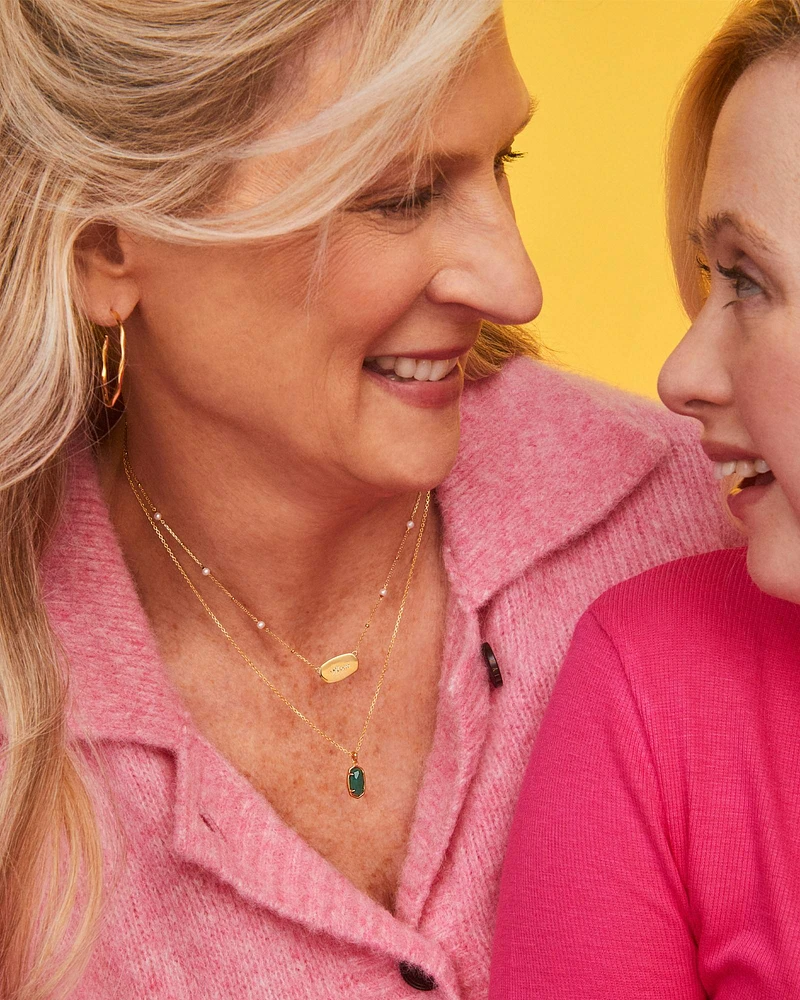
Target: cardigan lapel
(118, 688)
(544, 456)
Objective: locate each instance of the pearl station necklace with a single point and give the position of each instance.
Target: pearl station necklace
(335, 669)
(332, 670)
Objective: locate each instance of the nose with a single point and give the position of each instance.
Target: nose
(695, 380)
(486, 267)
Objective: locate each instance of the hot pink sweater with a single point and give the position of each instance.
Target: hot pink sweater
(561, 489)
(656, 851)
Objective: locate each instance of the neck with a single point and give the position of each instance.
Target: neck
(308, 560)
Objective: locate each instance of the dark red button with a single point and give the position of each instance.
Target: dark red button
(417, 978)
(491, 662)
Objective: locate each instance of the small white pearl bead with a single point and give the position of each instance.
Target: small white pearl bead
(157, 516)
(410, 525)
(384, 592)
(206, 571)
(259, 624)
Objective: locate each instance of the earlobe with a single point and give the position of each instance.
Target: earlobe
(105, 283)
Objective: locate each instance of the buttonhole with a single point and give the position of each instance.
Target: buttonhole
(209, 822)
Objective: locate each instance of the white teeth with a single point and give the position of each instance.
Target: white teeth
(439, 369)
(744, 468)
(723, 469)
(421, 370)
(405, 367)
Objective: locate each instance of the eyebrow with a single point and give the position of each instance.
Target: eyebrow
(402, 163)
(709, 231)
(533, 107)
(456, 157)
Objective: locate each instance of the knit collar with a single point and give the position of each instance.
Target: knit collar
(543, 458)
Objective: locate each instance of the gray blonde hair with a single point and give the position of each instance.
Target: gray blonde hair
(133, 113)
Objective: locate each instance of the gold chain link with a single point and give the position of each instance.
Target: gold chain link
(156, 526)
(139, 490)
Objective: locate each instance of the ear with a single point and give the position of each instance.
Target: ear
(105, 281)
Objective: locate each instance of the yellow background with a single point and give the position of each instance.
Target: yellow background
(589, 192)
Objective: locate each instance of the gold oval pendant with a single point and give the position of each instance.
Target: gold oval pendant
(339, 667)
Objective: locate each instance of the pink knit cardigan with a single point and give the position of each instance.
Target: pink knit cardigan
(562, 488)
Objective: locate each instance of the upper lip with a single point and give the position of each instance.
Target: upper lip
(719, 452)
(445, 354)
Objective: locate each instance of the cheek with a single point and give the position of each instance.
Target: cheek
(768, 404)
(767, 396)
(217, 295)
(371, 281)
(773, 547)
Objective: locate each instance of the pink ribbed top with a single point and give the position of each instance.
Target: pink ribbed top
(562, 488)
(656, 851)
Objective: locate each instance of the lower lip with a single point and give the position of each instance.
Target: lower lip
(739, 503)
(428, 395)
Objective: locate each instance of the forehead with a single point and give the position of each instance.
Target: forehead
(754, 161)
(487, 100)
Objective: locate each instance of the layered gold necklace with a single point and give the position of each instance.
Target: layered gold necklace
(332, 670)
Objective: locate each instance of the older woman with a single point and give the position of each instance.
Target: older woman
(655, 853)
(266, 696)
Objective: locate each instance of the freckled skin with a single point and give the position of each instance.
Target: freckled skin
(738, 368)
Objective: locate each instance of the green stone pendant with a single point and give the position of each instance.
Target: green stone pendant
(356, 781)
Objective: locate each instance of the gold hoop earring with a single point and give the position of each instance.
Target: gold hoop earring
(109, 399)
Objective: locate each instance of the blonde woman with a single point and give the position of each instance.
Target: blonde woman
(265, 697)
(655, 853)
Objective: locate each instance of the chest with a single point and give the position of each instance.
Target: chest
(289, 741)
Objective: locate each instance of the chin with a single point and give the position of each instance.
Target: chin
(413, 468)
(773, 566)
(410, 452)
(416, 477)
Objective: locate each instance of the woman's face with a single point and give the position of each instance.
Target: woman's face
(232, 337)
(738, 367)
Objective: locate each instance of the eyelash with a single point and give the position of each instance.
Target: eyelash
(507, 156)
(417, 202)
(735, 276)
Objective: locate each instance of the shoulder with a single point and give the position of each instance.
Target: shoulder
(696, 628)
(553, 462)
(594, 434)
(701, 592)
(538, 396)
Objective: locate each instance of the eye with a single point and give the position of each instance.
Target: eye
(506, 156)
(406, 206)
(743, 285)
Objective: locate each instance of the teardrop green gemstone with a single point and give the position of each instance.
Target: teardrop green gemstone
(356, 781)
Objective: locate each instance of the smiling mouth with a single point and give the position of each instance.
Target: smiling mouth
(761, 479)
(748, 472)
(399, 369)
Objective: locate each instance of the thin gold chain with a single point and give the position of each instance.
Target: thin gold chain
(353, 754)
(150, 508)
